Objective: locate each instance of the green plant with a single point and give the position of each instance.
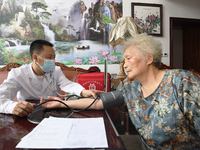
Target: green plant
(11, 57)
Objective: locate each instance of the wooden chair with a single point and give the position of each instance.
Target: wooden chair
(64, 67)
(9, 66)
(163, 66)
(195, 72)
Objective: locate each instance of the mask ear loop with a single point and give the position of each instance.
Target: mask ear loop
(39, 67)
(55, 88)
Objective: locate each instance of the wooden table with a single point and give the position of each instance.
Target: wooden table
(13, 128)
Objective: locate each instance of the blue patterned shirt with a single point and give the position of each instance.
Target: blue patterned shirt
(170, 117)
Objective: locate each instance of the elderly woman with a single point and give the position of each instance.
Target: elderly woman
(164, 105)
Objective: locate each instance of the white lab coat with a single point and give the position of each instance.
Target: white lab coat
(24, 83)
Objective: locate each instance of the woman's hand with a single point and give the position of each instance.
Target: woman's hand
(88, 93)
(52, 104)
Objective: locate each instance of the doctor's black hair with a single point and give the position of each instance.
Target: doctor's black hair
(37, 46)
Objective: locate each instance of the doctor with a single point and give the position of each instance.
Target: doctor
(39, 79)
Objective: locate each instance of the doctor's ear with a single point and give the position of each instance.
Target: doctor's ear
(34, 57)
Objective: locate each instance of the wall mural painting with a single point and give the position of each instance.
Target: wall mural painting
(78, 29)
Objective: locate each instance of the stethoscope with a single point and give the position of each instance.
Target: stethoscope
(67, 97)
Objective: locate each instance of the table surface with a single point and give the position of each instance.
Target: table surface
(13, 128)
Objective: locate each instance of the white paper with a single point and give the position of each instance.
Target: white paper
(66, 133)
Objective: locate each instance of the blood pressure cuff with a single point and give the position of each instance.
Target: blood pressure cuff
(112, 99)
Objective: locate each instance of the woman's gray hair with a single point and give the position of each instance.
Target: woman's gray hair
(145, 45)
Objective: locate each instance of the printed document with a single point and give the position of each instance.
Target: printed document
(60, 133)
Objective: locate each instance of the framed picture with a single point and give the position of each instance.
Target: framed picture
(149, 17)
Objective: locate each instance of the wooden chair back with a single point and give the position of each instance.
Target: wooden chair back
(9, 66)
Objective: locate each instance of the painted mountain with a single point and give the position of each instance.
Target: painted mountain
(78, 29)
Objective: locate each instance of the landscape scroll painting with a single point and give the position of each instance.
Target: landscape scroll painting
(78, 29)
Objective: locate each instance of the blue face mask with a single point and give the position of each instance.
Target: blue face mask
(49, 65)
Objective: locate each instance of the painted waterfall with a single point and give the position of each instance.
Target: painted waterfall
(78, 29)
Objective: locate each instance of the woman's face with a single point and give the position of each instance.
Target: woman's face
(135, 65)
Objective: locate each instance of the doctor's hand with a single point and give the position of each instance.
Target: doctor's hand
(23, 108)
(52, 104)
(88, 93)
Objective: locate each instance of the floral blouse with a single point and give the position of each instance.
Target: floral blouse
(170, 117)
